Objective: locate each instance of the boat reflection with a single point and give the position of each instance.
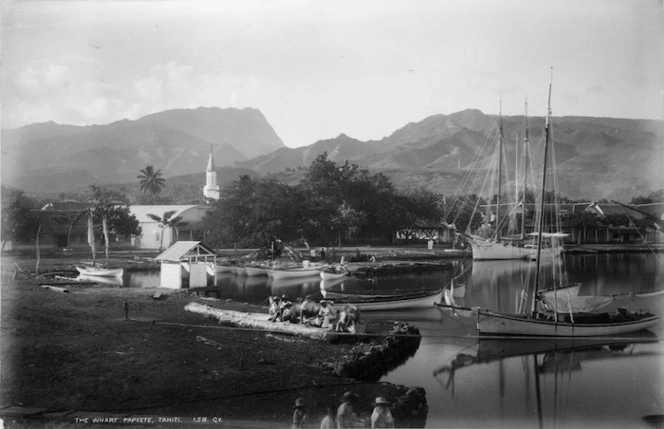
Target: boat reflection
(111, 281)
(297, 287)
(549, 352)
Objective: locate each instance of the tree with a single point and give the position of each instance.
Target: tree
(347, 220)
(107, 213)
(249, 210)
(151, 180)
(653, 197)
(17, 221)
(165, 222)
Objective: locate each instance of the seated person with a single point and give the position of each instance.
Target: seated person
(274, 310)
(288, 314)
(348, 318)
(327, 314)
(308, 311)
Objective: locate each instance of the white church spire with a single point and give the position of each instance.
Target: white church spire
(211, 189)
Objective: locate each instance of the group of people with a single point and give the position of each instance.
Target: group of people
(344, 416)
(307, 312)
(313, 254)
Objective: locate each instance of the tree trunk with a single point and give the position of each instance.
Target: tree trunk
(37, 249)
(91, 238)
(104, 226)
(258, 321)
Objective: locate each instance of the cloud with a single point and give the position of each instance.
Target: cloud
(52, 77)
(79, 93)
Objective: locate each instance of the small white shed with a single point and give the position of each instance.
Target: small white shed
(183, 259)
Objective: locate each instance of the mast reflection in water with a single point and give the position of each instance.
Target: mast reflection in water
(547, 383)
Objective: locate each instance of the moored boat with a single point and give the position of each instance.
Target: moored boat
(293, 273)
(390, 302)
(255, 270)
(494, 323)
(101, 272)
(333, 274)
(543, 321)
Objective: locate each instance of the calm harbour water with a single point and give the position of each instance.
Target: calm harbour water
(512, 383)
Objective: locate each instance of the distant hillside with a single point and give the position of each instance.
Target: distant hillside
(596, 157)
(176, 141)
(341, 148)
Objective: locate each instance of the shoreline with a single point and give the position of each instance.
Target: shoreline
(73, 355)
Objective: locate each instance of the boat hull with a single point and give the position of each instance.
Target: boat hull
(492, 323)
(100, 272)
(326, 275)
(221, 269)
(256, 271)
(419, 301)
(293, 273)
(490, 250)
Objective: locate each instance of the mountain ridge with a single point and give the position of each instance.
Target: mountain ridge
(596, 157)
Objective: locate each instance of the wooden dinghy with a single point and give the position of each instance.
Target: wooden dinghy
(259, 321)
(100, 272)
(389, 303)
(333, 274)
(293, 273)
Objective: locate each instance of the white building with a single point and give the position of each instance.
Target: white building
(155, 235)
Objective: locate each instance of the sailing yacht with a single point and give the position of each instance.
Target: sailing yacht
(512, 247)
(540, 321)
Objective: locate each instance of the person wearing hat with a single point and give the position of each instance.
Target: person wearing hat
(299, 414)
(282, 306)
(326, 315)
(346, 417)
(274, 308)
(288, 314)
(382, 416)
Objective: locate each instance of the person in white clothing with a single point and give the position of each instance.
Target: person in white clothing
(382, 416)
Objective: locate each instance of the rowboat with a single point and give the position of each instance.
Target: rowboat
(389, 303)
(333, 275)
(255, 270)
(293, 273)
(224, 268)
(101, 272)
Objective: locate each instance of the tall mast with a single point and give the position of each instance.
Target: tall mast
(516, 167)
(500, 165)
(540, 228)
(525, 172)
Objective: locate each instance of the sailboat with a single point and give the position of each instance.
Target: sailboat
(539, 321)
(511, 247)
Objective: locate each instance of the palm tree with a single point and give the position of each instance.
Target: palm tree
(165, 221)
(151, 180)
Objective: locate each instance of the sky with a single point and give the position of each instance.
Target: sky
(317, 69)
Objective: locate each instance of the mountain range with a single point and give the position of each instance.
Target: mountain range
(595, 157)
(50, 157)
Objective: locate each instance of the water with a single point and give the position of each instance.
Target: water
(512, 383)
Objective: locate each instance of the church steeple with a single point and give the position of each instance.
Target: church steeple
(211, 189)
(210, 166)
